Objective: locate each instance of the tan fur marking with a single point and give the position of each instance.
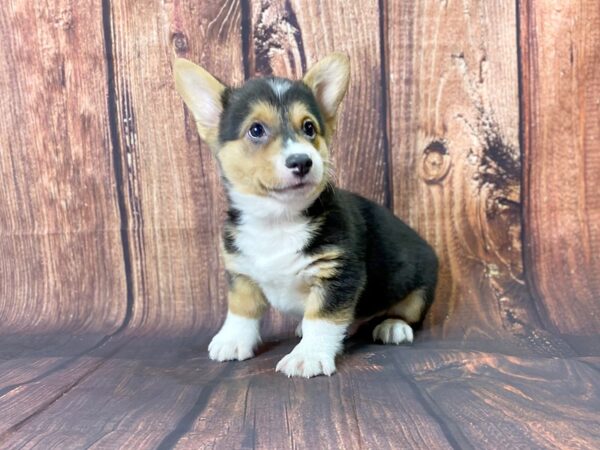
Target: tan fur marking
(329, 254)
(411, 307)
(264, 113)
(327, 270)
(325, 264)
(341, 316)
(298, 113)
(314, 301)
(245, 298)
(210, 136)
(314, 308)
(251, 170)
(249, 166)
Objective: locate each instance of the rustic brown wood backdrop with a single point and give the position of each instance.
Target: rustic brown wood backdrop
(477, 122)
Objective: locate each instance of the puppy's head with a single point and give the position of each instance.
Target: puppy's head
(270, 135)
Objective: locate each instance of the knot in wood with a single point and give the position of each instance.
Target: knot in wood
(179, 42)
(435, 163)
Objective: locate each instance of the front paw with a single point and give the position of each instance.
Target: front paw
(237, 339)
(228, 348)
(306, 363)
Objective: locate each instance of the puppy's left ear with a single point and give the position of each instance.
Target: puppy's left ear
(328, 79)
(202, 94)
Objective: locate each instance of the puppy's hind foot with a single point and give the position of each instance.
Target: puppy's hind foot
(393, 331)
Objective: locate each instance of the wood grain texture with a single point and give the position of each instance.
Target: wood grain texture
(510, 401)
(560, 48)
(174, 201)
(38, 370)
(62, 264)
(453, 120)
(148, 395)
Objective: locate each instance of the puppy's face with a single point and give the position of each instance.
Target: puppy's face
(270, 135)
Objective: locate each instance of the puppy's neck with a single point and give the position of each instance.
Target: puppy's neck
(269, 209)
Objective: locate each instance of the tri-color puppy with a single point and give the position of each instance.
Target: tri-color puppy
(292, 240)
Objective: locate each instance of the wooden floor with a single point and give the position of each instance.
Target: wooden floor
(153, 391)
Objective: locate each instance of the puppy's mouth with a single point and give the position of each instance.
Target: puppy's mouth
(298, 187)
(294, 187)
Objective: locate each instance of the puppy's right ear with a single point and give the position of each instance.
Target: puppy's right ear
(202, 93)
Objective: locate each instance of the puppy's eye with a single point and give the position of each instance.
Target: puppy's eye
(256, 130)
(309, 129)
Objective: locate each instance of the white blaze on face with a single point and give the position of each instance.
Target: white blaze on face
(280, 86)
(286, 175)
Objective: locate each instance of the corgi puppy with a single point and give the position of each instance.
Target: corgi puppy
(292, 240)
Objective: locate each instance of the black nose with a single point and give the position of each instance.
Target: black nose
(300, 163)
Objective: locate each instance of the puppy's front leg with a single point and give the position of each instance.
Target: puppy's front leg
(327, 316)
(315, 354)
(240, 335)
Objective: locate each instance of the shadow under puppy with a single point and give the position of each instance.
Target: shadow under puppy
(291, 239)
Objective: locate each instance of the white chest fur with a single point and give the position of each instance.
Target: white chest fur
(270, 252)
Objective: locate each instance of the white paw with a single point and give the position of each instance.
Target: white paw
(306, 363)
(236, 340)
(393, 331)
(299, 330)
(222, 348)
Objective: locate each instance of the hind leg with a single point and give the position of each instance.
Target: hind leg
(396, 329)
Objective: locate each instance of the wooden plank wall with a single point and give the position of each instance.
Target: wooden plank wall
(454, 122)
(60, 232)
(561, 155)
(111, 205)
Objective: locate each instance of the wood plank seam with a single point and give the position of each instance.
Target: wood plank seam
(385, 116)
(44, 406)
(246, 27)
(524, 78)
(117, 161)
(185, 424)
(451, 431)
(63, 365)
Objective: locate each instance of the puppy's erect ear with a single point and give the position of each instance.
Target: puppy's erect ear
(328, 79)
(201, 92)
